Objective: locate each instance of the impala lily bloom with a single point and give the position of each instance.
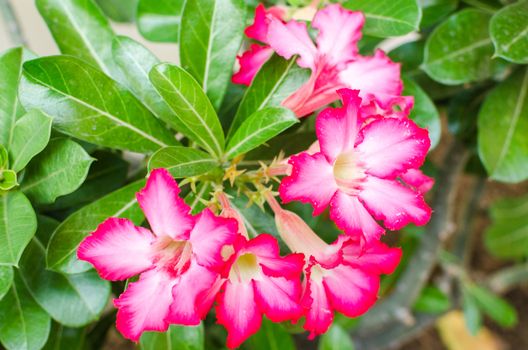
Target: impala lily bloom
(335, 62)
(252, 60)
(356, 172)
(179, 259)
(342, 276)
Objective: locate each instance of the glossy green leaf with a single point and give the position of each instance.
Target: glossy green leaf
(30, 136)
(210, 36)
(436, 10)
(88, 105)
(160, 20)
(385, 18)
(18, 224)
(182, 161)
(197, 200)
(288, 143)
(502, 141)
(62, 248)
(424, 112)
(4, 158)
(432, 300)
(119, 10)
(10, 109)
(259, 128)
(190, 104)
(276, 80)
(8, 180)
(460, 49)
(60, 169)
(25, 325)
(177, 337)
(6, 279)
(271, 336)
(336, 338)
(472, 313)
(73, 300)
(493, 306)
(256, 219)
(509, 32)
(507, 236)
(65, 338)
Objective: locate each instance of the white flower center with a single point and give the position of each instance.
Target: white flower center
(245, 268)
(348, 172)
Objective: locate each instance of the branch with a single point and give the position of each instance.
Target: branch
(507, 278)
(12, 24)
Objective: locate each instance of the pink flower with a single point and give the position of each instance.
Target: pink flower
(357, 169)
(335, 62)
(258, 282)
(341, 277)
(252, 60)
(179, 259)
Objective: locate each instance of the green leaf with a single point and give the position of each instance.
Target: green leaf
(25, 325)
(4, 158)
(336, 338)
(60, 169)
(509, 32)
(6, 279)
(119, 10)
(493, 306)
(256, 219)
(160, 20)
(10, 109)
(30, 136)
(424, 112)
(182, 161)
(210, 36)
(289, 143)
(502, 141)
(18, 224)
(88, 105)
(271, 336)
(73, 300)
(432, 300)
(259, 128)
(436, 10)
(507, 236)
(8, 180)
(196, 199)
(276, 80)
(385, 18)
(177, 337)
(190, 104)
(460, 50)
(472, 313)
(80, 29)
(65, 338)
(62, 248)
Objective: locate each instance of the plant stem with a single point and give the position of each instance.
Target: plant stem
(507, 278)
(12, 24)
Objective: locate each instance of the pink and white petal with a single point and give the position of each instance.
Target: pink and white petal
(311, 181)
(318, 312)
(339, 33)
(166, 212)
(144, 305)
(350, 290)
(189, 306)
(395, 204)
(417, 179)
(350, 215)
(297, 101)
(209, 235)
(292, 38)
(258, 30)
(279, 298)
(376, 258)
(374, 75)
(390, 146)
(250, 63)
(117, 249)
(238, 312)
(337, 128)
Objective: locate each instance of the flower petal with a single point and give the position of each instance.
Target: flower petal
(339, 33)
(377, 258)
(391, 146)
(250, 63)
(166, 212)
(319, 314)
(278, 298)
(417, 179)
(394, 203)
(145, 305)
(312, 181)
(350, 215)
(258, 30)
(291, 38)
(117, 249)
(238, 312)
(209, 235)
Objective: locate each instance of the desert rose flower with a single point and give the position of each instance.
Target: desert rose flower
(179, 259)
(342, 277)
(357, 171)
(335, 62)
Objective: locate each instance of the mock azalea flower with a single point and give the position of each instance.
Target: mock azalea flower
(342, 277)
(252, 60)
(179, 259)
(335, 62)
(357, 171)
